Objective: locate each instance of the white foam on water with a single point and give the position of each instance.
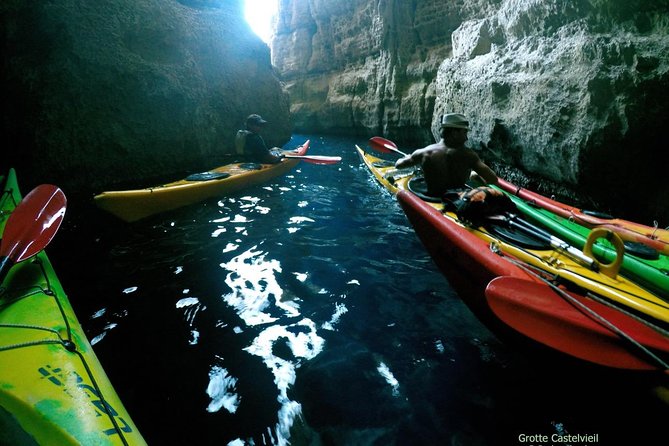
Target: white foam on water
(389, 377)
(222, 391)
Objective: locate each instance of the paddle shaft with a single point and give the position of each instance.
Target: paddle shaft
(316, 159)
(518, 223)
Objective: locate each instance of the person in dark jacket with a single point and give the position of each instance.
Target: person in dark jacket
(251, 145)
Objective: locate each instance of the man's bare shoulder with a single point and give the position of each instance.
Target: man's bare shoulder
(464, 153)
(432, 149)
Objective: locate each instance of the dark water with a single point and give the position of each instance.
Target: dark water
(306, 311)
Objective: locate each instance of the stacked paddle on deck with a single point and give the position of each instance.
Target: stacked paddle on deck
(616, 324)
(653, 237)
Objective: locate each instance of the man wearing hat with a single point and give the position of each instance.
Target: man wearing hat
(250, 144)
(448, 164)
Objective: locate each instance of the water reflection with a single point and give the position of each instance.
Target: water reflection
(222, 391)
(285, 341)
(310, 303)
(192, 306)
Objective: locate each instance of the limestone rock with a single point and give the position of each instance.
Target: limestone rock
(573, 92)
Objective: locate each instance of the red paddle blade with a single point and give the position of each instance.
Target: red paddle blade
(316, 159)
(537, 311)
(384, 145)
(33, 223)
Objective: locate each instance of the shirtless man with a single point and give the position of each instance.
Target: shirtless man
(448, 163)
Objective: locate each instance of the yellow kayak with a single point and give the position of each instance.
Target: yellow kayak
(53, 389)
(132, 205)
(555, 262)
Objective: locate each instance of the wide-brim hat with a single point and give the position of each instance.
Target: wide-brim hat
(455, 121)
(255, 120)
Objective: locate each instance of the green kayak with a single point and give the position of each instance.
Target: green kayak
(53, 389)
(647, 267)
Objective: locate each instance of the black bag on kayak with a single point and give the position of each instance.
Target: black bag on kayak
(475, 205)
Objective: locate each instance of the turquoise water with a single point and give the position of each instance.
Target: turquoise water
(306, 311)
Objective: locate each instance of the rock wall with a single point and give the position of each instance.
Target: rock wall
(97, 93)
(365, 67)
(574, 91)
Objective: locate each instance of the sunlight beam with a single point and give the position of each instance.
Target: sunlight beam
(259, 14)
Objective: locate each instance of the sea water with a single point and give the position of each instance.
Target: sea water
(306, 311)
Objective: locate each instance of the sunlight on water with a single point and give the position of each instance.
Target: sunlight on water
(230, 247)
(254, 287)
(256, 295)
(298, 220)
(192, 306)
(340, 309)
(390, 378)
(221, 390)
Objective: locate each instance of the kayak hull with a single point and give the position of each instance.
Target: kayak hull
(53, 389)
(133, 205)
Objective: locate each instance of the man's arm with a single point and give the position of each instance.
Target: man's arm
(410, 160)
(273, 156)
(486, 173)
(256, 148)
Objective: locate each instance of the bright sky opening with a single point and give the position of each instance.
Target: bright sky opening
(259, 14)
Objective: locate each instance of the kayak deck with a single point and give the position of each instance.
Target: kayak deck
(652, 236)
(648, 268)
(53, 389)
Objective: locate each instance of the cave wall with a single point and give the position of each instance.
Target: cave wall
(364, 67)
(97, 93)
(573, 91)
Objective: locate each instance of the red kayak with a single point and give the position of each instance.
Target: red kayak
(503, 292)
(653, 237)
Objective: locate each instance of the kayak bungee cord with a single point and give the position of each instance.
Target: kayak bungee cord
(649, 324)
(550, 262)
(585, 309)
(67, 343)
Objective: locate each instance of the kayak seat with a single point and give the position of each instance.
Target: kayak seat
(250, 166)
(640, 250)
(418, 186)
(206, 176)
(384, 163)
(515, 237)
